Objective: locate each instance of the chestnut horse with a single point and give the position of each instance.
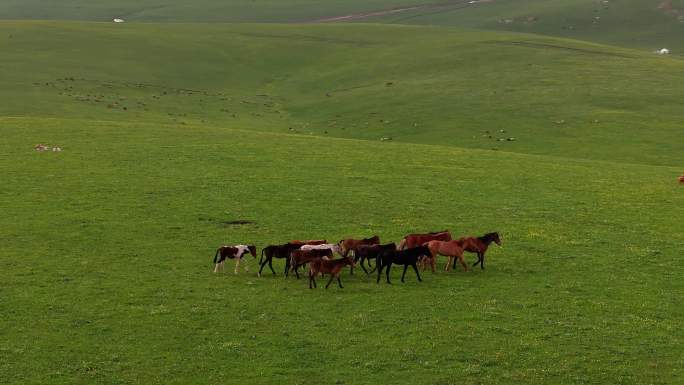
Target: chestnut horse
(332, 267)
(681, 179)
(451, 249)
(479, 246)
(415, 240)
(309, 242)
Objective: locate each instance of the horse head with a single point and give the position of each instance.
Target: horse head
(495, 237)
(252, 250)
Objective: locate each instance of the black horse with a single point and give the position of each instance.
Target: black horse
(277, 251)
(370, 252)
(404, 257)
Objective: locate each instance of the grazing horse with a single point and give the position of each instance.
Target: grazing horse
(451, 249)
(276, 251)
(350, 244)
(309, 242)
(302, 257)
(232, 252)
(479, 246)
(332, 267)
(681, 179)
(415, 240)
(401, 257)
(370, 252)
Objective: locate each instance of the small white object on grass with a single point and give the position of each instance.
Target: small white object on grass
(118, 20)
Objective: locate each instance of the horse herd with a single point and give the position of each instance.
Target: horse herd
(413, 250)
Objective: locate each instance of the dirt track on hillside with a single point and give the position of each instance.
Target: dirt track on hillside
(390, 11)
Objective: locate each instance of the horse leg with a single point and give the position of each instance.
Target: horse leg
(216, 266)
(270, 264)
(404, 273)
(237, 265)
(482, 262)
(465, 265)
(339, 282)
(416, 270)
(388, 267)
(364, 267)
(296, 267)
(330, 280)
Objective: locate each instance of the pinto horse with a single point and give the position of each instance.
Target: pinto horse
(302, 257)
(276, 251)
(332, 267)
(479, 246)
(415, 240)
(407, 257)
(451, 249)
(232, 252)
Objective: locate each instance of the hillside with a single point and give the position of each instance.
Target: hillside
(494, 90)
(643, 24)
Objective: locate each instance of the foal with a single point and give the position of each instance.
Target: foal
(232, 252)
(479, 246)
(401, 257)
(332, 267)
(302, 257)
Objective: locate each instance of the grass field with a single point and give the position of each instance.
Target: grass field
(170, 131)
(111, 241)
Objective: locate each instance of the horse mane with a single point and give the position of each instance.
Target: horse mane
(488, 238)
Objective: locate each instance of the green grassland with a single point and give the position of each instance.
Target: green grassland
(413, 84)
(108, 246)
(644, 24)
(170, 131)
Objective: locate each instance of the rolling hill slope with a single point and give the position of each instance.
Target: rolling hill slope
(642, 24)
(494, 90)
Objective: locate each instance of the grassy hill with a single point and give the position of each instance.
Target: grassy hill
(107, 251)
(644, 24)
(413, 84)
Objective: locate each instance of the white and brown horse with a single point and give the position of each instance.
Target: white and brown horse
(232, 252)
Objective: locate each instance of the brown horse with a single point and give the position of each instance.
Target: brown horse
(681, 179)
(479, 246)
(451, 249)
(332, 267)
(309, 242)
(302, 257)
(350, 244)
(414, 240)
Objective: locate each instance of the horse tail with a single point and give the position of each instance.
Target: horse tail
(217, 254)
(262, 255)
